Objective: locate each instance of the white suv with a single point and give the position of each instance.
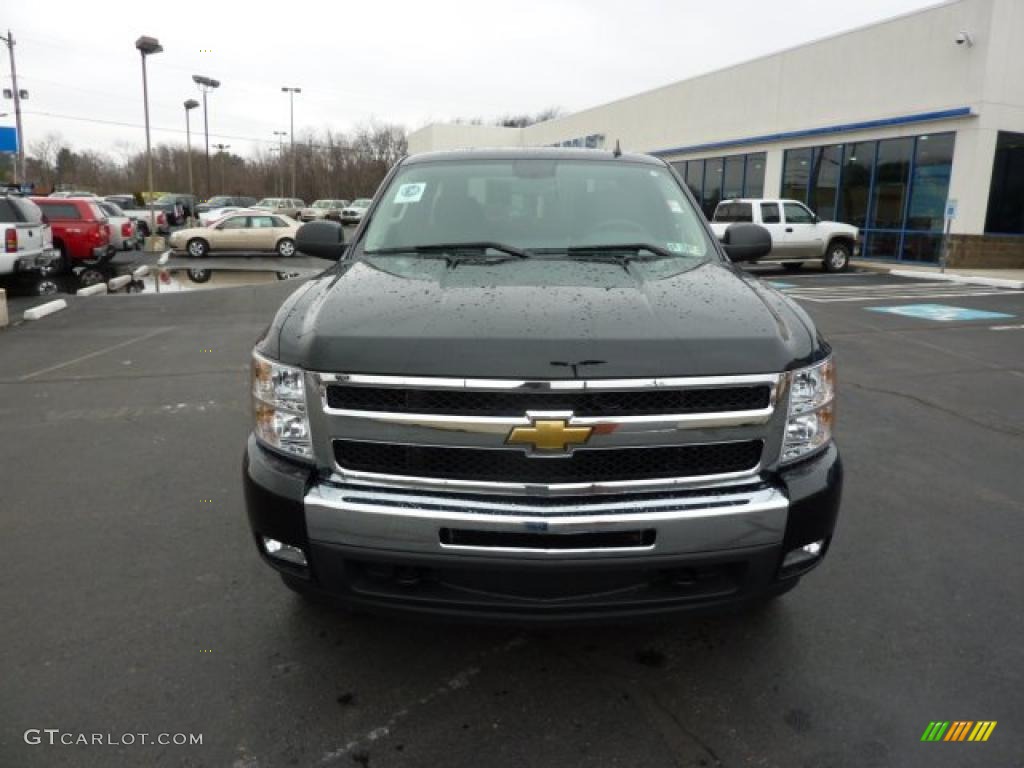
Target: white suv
(798, 235)
(28, 239)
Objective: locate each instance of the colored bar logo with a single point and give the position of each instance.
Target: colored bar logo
(958, 730)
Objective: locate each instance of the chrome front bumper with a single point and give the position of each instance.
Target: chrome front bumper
(415, 523)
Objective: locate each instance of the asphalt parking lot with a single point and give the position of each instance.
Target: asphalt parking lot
(136, 602)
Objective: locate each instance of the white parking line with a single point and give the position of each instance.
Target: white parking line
(876, 297)
(97, 353)
(830, 294)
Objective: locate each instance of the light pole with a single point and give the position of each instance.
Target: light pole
(220, 149)
(189, 106)
(280, 166)
(17, 95)
(148, 46)
(206, 84)
(291, 98)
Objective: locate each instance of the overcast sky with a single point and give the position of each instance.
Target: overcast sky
(394, 61)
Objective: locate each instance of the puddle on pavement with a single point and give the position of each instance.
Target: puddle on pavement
(177, 281)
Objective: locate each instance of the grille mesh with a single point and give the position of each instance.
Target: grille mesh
(513, 466)
(612, 403)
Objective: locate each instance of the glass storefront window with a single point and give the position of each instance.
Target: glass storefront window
(828, 162)
(718, 178)
(713, 171)
(893, 190)
(732, 178)
(796, 173)
(753, 186)
(921, 247)
(1005, 214)
(858, 165)
(695, 178)
(892, 175)
(883, 245)
(933, 162)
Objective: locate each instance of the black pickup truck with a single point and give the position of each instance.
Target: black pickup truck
(536, 388)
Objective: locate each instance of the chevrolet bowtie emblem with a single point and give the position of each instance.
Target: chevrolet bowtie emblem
(549, 436)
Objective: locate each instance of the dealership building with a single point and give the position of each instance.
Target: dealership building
(890, 127)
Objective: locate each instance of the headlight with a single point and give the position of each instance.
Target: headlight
(811, 410)
(279, 407)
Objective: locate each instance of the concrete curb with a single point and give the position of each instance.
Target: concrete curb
(92, 290)
(4, 319)
(45, 309)
(997, 282)
(119, 282)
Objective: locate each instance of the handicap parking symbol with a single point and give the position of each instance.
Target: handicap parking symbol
(943, 313)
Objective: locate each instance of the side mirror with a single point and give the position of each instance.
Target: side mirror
(816, 218)
(322, 239)
(746, 242)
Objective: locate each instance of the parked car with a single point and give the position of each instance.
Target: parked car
(171, 207)
(323, 209)
(28, 240)
(81, 231)
(798, 235)
(353, 214)
(208, 217)
(248, 231)
(527, 411)
(140, 214)
(168, 205)
(224, 201)
(178, 207)
(286, 206)
(124, 232)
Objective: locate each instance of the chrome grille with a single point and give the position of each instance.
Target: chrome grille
(616, 403)
(431, 433)
(583, 466)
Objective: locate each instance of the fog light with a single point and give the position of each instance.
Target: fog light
(803, 555)
(282, 551)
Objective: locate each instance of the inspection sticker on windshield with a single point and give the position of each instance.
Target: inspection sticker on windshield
(410, 193)
(674, 206)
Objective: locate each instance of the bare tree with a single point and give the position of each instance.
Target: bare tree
(328, 165)
(44, 154)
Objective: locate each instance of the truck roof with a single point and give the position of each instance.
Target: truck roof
(531, 153)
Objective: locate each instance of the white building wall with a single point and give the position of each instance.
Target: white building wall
(904, 66)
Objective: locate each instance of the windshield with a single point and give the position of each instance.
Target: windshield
(267, 202)
(217, 202)
(322, 204)
(363, 202)
(538, 204)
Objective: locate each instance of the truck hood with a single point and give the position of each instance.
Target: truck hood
(539, 317)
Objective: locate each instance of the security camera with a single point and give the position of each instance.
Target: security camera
(963, 38)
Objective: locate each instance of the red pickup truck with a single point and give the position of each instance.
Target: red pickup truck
(80, 230)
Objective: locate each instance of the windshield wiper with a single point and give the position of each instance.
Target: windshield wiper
(632, 248)
(482, 245)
